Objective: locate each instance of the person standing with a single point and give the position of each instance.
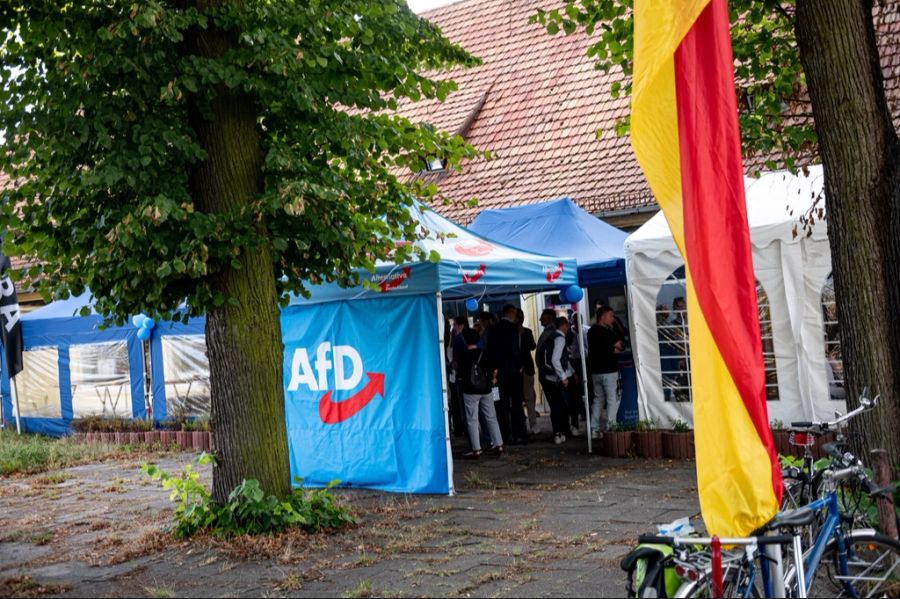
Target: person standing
(556, 376)
(505, 354)
(604, 343)
(457, 349)
(477, 377)
(527, 345)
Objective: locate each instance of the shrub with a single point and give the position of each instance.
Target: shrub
(248, 509)
(680, 426)
(102, 424)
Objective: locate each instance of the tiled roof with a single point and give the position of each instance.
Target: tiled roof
(537, 102)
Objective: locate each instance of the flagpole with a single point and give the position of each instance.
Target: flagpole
(15, 393)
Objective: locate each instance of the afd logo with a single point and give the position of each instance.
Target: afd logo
(330, 411)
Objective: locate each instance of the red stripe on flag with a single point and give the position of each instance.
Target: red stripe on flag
(717, 238)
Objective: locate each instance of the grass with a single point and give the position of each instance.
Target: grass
(26, 454)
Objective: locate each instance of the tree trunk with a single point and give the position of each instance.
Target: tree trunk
(861, 158)
(243, 337)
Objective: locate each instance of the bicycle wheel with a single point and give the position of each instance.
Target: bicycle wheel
(873, 569)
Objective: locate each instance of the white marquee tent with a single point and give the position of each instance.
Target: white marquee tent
(791, 269)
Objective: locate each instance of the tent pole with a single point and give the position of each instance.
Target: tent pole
(584, 377)
(15, 393)
(445, 392)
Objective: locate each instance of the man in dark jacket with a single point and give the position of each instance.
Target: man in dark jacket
(526, 346)
(505, 355)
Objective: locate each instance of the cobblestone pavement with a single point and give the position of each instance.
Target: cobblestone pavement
(543, 520)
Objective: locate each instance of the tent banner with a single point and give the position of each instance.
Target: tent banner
(364, 396)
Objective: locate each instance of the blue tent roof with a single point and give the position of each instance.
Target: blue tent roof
(469, 265)
(561, 228)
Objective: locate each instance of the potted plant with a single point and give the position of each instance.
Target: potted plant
(648, 439)
(617, 442)
(678, 443)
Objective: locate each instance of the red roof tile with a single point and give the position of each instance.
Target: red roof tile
(544, 102)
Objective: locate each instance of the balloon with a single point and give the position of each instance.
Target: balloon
(471, 304)
(137, 319)
(562, 295)
(574, 294)
(143, 334)
(148, 324)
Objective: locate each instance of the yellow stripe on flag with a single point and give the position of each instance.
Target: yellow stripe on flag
(734, 473)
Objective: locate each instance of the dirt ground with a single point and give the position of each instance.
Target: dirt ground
(544, 520)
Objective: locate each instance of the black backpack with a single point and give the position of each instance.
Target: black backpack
(478, 377)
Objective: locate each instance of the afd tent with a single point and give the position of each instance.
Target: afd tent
(364, 367)
(793, 274)
(73, 369)
(560, 228)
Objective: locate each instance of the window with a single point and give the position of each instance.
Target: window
(101, 380)
(434, 164)
(674, 341)
(834, 360)
(38, 384)
(186, 369)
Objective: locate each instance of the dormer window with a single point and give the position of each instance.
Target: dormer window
(434, 164)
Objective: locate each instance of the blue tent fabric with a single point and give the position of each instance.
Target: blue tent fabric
(560, 227)
(59, 325)
(469, 266)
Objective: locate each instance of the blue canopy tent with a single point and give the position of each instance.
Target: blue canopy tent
(364, 367)
(560, 227)
(74, 368)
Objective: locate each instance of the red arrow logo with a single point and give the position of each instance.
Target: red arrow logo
(473, 278)
(552, 276)
(333, 412)
(396, 280)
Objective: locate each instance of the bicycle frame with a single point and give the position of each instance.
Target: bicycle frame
(829, 529)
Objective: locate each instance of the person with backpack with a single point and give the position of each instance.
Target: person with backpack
(556, 375)
(477, 377)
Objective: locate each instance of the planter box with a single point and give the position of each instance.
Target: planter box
(122, 438)
(617, 444)
(184, 440)
(678, 446)
(135, 438)
(200, 439)
(79, 437)
(648, 444)
(167, 438)
(152, 438)
(108, 438)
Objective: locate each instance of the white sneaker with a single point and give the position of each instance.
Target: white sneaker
(559, 438)
(577, 432)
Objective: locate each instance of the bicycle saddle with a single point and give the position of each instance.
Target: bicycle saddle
(790, 519)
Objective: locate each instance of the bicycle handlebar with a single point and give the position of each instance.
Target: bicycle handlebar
(865, 404)
(679, 541)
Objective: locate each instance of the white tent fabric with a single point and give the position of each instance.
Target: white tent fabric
(792, 270)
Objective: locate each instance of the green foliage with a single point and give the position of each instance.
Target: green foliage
(624, 426)
(24, 454)
(248, 509)
(99, 103)
(680, 426)
(102, 424)
(649, 424)
(769, 78)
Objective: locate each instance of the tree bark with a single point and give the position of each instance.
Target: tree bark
(861, 159)
(243, 337)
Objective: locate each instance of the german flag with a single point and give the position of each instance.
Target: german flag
(684, 131)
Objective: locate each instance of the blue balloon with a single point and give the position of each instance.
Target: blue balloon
(471, 304)
(148, 324)
(143, 334)
(573, 294)
(137, 319)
